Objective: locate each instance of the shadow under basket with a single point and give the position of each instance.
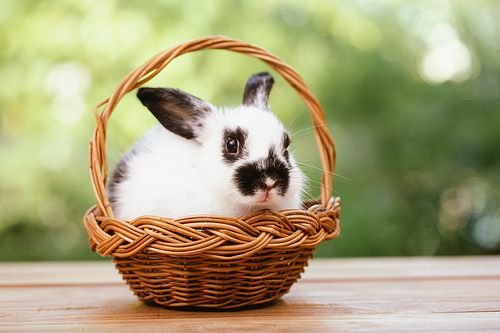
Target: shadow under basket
(211, 261)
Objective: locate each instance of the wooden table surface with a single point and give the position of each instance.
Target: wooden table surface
(455, 294)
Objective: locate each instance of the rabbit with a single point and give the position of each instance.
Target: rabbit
(207, 160)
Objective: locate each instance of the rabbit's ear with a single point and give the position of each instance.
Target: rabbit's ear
(179, 112)
(257, 90)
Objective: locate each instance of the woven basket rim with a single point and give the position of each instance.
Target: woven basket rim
(292, 228)
(102, 214)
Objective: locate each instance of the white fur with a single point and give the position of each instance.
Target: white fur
(171, 176)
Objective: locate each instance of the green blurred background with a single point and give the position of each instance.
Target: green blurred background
(411, 91)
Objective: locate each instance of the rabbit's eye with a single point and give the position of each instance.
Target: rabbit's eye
(232, 146)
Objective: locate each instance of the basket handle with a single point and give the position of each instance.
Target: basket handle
(97, 151)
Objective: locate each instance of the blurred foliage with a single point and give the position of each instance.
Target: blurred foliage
(411, 91)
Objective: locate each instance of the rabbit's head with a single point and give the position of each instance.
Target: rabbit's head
(244, 157)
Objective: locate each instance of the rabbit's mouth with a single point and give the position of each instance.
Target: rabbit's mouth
(267, 194)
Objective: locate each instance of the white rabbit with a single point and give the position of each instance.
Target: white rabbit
(206, 160)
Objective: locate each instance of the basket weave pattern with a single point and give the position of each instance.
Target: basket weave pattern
(209, 260)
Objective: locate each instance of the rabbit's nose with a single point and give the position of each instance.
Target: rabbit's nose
(270, 183)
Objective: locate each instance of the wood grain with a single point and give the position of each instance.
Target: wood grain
(459, 294)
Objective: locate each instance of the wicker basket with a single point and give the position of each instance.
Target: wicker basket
(231, 262)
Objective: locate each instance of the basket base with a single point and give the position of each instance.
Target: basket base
(190, 282)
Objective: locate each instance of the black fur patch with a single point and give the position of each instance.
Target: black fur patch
(178, 111)
(257, 89)
(118, 176)
(240, 135)
(286, 140)
(286, 143)
(251, 177)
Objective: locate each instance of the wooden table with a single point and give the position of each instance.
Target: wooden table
(380, 294)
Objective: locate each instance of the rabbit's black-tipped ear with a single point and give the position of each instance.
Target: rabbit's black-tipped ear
(179, 112)
(257, 90)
